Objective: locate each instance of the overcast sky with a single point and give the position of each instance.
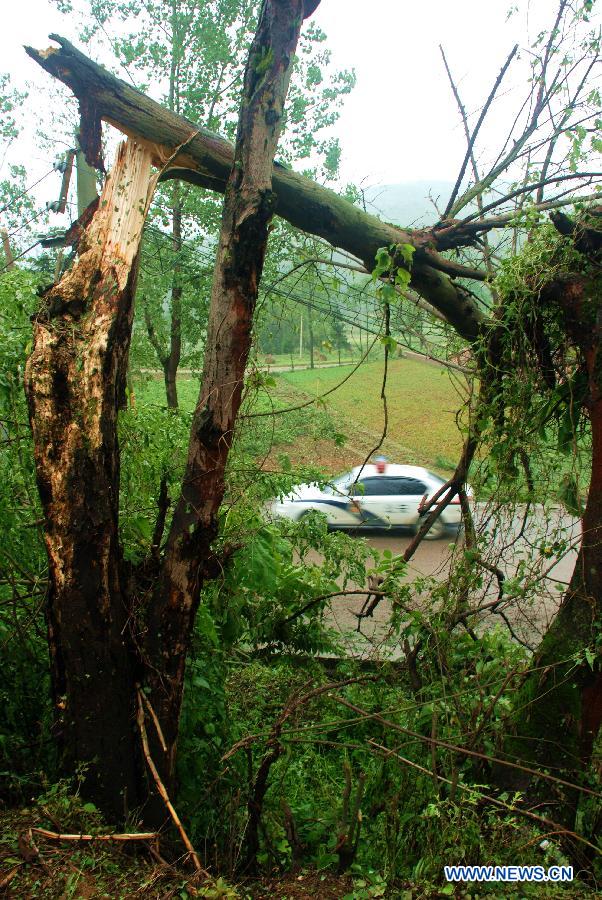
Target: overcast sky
(400, 123)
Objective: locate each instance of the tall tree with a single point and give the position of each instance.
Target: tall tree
(198, 51)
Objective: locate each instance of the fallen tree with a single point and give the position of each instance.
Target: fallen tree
(194, 154)
(205, 159)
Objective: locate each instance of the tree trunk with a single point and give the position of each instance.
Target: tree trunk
(75, 381)
(248, 210)
(559, 709)
(8, 253)
(206, 159)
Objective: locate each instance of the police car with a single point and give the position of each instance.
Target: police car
(374, 496)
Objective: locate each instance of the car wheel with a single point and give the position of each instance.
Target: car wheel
(437, 530)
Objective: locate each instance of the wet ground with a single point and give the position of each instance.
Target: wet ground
(538, 552)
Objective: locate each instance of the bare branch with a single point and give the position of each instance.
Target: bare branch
(450, 209)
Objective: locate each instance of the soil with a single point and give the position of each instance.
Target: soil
(319, 885)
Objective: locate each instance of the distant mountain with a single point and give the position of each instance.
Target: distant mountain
(408, 204)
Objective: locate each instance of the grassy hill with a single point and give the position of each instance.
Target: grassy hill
(422, 402)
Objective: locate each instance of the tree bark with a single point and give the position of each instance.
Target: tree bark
(206, 159)
(8, 253)
(248, 210)
(75, 379)
(559, 709)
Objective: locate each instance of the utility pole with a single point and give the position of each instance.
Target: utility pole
(86, 180)
(10, 262)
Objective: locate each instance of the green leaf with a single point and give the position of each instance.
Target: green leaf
(384, 262)
(402, 278)
(407, 253)
(389, 343)
(388, 293)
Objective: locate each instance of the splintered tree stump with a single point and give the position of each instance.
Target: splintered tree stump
(75, 381)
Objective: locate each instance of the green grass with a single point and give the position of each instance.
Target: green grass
(421, 399)
(422, 403)
(151, 392)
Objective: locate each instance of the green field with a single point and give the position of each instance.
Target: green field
(422, 403)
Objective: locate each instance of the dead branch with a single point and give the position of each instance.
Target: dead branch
(153, 716)
(465, 751)
(526, 813)
(6, 879)
(161, 787)
(107, 838)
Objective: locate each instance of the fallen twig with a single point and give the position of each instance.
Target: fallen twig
(118, 838)
(156, 723)
(6, 879)
(161, 787)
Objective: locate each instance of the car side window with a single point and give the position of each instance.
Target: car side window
(369, 487)
(408, 487)
(389, 487)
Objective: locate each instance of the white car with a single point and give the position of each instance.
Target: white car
(370, 497)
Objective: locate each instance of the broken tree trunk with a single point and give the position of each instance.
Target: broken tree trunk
(206, 159)
(248, 210)
(75, 379)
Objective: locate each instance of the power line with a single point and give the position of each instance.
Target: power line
(15, 258)
(26, 191)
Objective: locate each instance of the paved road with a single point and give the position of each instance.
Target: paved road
(509, 545)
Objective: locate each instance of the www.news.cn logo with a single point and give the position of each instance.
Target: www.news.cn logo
(508, 873)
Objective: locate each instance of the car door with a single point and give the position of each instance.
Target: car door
(404, 500)
(371, 500)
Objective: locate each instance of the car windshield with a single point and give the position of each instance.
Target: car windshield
(340, 485)
(437, 479)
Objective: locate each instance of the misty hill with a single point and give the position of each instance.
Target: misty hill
(408, 204)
